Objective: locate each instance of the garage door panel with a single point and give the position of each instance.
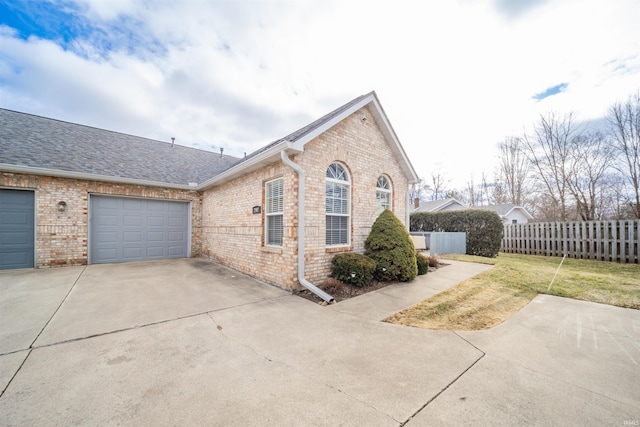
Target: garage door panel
(155, 221)
(132, 237)
(132, 254)
(20, 238)
(133, 220)
(16, 218)
(133, 205)
(105, 237)
(177, 251)
(155, 236)
(176, 221)
(17, 229)
(106, 220)
(139, 229)
(156, 252)
(176, 236)
(106, 203)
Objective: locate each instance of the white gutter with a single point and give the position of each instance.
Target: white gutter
(319, 292)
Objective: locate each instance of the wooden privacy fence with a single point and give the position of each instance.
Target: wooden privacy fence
(616, 241)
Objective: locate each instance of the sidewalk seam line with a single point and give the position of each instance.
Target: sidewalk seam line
(59, 306)
(448, 385)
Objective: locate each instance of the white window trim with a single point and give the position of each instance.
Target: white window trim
(348, 214)
(268, 214)
(388, 191)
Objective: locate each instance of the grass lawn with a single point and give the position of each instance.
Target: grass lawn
(493, 296)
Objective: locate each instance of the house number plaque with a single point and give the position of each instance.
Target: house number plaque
(257, 209)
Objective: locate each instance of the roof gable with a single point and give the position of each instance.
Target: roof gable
(295, 141)
(438, 205)
(505, 209)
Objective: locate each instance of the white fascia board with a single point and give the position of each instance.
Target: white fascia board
(386, 128)
(390, 133)
(267, 156)
(300, 143)
(89, 176)
(524, 212)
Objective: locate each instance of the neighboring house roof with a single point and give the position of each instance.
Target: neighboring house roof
(439, 205)
(505, 209)
(34, 143)
(39, 145)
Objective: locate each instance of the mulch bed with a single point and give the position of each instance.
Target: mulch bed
(341, 291)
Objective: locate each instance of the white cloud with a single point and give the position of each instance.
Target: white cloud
(454, 77)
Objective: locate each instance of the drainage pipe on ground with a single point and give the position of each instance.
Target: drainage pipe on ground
(304, 282)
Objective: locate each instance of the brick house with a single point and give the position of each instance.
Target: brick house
(76, 195)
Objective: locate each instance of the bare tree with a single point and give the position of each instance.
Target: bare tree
(438, 185)
(471, 196)
(624, 120)
(419, 191)
(514, 170)
(550, 152)
(591, 158)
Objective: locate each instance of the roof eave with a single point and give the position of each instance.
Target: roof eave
(4, 167)
(383, 123)
(388, 131)
(267, 157)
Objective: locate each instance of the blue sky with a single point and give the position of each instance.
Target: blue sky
(454, 77)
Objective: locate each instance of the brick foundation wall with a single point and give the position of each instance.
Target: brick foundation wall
(61, 237)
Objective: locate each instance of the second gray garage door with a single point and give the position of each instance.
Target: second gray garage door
(16, 228)
(129, 229)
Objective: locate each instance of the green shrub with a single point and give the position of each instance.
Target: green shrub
(363, 267)
(484, 228)
(423, 264)
(391, 247)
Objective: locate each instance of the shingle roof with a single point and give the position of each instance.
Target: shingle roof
(502, 209)
(296, 135)
(39, 142)
(436, 205)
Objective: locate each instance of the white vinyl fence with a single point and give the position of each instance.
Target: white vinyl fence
(617, 241)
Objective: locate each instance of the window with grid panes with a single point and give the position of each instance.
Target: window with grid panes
(338, 209)
(383, 194)
(274, 200)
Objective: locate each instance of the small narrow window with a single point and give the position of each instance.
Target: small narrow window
(338, 209)
(274, 198)
(383, 194)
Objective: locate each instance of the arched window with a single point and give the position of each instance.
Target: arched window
(338, 206)
(383, 194)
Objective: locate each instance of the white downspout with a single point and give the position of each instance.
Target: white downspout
(304, 282)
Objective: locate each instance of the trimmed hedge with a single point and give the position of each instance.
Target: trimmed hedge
(343, 264)
(391, 247)
(484, 228)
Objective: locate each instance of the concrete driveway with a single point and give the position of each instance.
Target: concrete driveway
(188, 342)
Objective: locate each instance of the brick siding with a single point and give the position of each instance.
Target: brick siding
(61, 237)
(234, 236)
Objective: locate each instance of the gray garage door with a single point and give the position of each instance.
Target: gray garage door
(17, 222)
(128, 229)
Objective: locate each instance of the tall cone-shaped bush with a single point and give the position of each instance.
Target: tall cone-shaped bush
(391, 247)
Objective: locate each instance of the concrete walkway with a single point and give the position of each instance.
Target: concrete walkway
(380, 304)
(187, 342)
